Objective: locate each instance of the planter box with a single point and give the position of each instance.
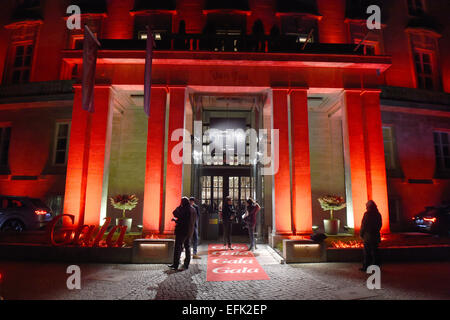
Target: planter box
(153, 250)
(303, 251)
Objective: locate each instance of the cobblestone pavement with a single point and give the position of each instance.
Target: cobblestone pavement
(323, 281)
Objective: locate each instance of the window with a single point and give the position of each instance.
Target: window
(160, 24)
(5, 135)
(415, 7)
(75, 37)
(371, 42)
(300, 27)
(371, 48)
(14, 203)
(442, 150)
(424, 69)
(389, 150)
(61, 146)
(21, 65)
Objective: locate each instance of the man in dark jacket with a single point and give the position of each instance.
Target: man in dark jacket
(370, 233)
(185, 217)
(228, 215)
(195, 235)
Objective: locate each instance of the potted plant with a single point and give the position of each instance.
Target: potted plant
(332, 203)
(124, 202)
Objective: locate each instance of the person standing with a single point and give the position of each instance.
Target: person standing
(228, 215)
(370, 234)
(184, 216)
(195, 235)
(252, 210)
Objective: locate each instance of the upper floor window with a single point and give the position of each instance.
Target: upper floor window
(424, 57)
(160, 24)
(389, 149)
(424, 68)
(61, 143)
(416, 7)
(299, 26)
(442, 150)
(76, 37)
(5, 136)
(21, 64)
(371, 41)
(371, 48)
(223, 31)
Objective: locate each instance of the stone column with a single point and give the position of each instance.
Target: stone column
(355, 158)
(154, 174)
(282, 224)
(376, 166)
(87, 167)
(364, 156)
(301, 169)
(174, 171)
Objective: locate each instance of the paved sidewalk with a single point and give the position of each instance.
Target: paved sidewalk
(323, 281)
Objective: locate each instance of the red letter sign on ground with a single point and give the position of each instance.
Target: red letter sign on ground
(233, 265)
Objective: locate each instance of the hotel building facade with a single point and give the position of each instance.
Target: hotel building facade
(359, 113)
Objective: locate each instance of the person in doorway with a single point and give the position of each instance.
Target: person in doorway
(185, 217)
(370, 234)
(195, 235)
(228, 216)
(250, 217)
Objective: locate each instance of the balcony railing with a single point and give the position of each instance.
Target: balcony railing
(230, 43)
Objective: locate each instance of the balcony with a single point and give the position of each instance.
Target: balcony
(238, 43)
(246, 50)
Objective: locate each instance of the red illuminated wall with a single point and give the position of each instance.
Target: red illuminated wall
(119, 23)
(332, 28)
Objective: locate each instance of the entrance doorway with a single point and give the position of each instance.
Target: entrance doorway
(215, 185)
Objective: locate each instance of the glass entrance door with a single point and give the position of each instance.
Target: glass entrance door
(214, 189)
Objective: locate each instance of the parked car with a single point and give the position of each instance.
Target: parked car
(434, 220)
(23, 213)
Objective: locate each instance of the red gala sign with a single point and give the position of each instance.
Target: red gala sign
(84, 235)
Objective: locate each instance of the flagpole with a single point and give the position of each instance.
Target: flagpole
(90, 51)
(148, 70)
(92, 35)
